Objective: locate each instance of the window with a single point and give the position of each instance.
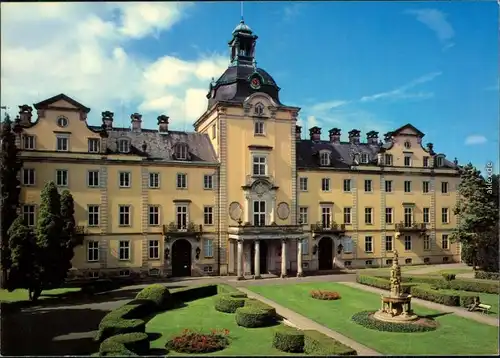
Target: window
(427, 242)
(348, 245)
(124, 215)
(388, 186)
(347, 263)
(444, 187)
(61, 177)
(93, 274)
(324, 158)
(368, 244)
(208, 181)
(440, 161)
(29, 214)
(368, 186)
(303, 183)
(93, 215)
(407, 145)
(347, 215)
(214, 131)
(407, 243)
(62, 143)
(258, 128)
(445, 244)
(94, 145)
(388, 159)
(369, 262)
(347, 185)
(124, 250)
(208, 247)
(364, 158)
(303, 215)
(388, 262)
(124, 179)
(208, 269)
(426, 186)
(444, 215)
(368, 215)
(62, 122)
(408, 217)
(181, 181)
(154, 249)
(259, 109)
(259, 165)
(181, 151)
(325, 184)
(154, 215)
(182, 217)
(124, 273)
(445, 259)
(28, 176)
(93, 178)
(208, 215)
(407, 161)
(326, 216)
(388, 215)
(408, 261)
(388, 243)
(93, 251)
(29, 142)
(154, 180)
(123, 145)
(259, 213)
(407, 186)
(426, 217)
(426, 161)
(305, 246)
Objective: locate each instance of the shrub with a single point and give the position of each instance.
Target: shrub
(449, 276)
(475, 286)
(255, 315)
(382, 282)
(467, 299)
(288, 339)
(487, 275)
(187, 294)
(319, 344)
(196, 342)
(156, 293)
(227, 303)
(325, 295)
(136, 343)
(427, 292)
(366, 320)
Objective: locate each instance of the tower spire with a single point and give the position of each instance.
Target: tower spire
(241, 10)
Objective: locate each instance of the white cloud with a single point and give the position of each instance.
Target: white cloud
(325, 106)
(475, 139)
(290, 12)
(436, 21)
(80, 49)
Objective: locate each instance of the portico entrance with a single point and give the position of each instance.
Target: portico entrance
(325, 254)
(262, 258)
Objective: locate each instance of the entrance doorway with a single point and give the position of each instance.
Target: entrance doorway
(181, 258)
(262, 256)
(325, 253)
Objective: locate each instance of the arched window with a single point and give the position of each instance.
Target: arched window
(62, 121)
(124, 145)
(181, 151)
(259, 109)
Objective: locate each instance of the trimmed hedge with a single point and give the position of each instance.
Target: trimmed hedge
(449, 276)
(188, 294)
(319, 344)
(128, 343)
(254, 315)
(156, 293)
(227, 303)
(224, 288)
(482, 275)
(429, 293)
(288, 339)
(382, 282)
(364, 319)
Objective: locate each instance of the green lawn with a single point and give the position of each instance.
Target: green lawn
(22, 295)
(201, 315)
(455, 336)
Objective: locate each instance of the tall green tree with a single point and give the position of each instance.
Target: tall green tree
(69, 239)
(477, 212)
(10, 189)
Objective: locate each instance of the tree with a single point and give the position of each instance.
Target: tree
(10, 165)
(477, 213)
(23, 271)
(69, 239)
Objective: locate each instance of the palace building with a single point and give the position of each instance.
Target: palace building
(245, 193)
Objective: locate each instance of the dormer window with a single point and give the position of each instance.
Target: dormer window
(181, 151)
(364, 158)
(124, 145)
(324, 158)
(259, 109)
(440, 161)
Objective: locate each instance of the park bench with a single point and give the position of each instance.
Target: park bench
(477, 306)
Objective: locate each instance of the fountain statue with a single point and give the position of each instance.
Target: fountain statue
(396, 307)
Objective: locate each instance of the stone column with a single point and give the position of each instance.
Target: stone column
(299, 258)
(240, 261)
(283, 258)
(257, 260)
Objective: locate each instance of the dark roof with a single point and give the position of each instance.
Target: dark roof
(62, 96)
(408, 126)
(160, 146)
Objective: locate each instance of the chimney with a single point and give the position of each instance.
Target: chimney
(136, 122)
(334, 134)
(388, 137)
(25, 115)
(430, 148)
(372, 137)
(354, 136)
(107, 119)
(298, 132)
(315, 133)
(163, 124)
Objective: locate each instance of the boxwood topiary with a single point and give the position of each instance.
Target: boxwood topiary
(227, 303)
(319, 344)
(366, 320)
(254, 315)
(137, 343)
(288, 339)
(156, 293)
(487, 275)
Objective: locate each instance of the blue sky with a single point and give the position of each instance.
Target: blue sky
(364, 65)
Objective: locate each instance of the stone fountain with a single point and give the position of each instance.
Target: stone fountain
(396, 307)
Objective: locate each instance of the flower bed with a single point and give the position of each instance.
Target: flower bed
(325, 295)
(197, 342)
